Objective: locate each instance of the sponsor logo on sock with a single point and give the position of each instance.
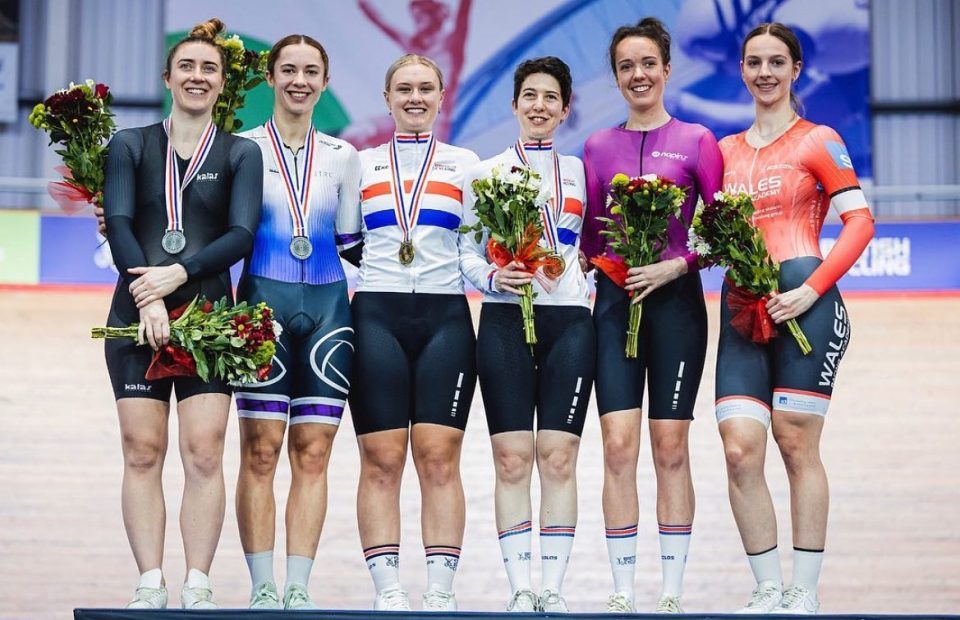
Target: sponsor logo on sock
(451, 563)
(523, 556)
(393, 561)
(626, 560)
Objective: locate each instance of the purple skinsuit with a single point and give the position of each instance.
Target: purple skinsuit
(685, 153)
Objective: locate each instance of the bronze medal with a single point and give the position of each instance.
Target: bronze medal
(407, 253)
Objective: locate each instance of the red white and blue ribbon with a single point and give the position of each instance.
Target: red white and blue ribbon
(298, 194)
(550, 212)
(408, 206)
(173, 186)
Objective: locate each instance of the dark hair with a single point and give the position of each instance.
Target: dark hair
(205, 32)
(296, 39)
(649, 27)
(790, 39)
(552, 66)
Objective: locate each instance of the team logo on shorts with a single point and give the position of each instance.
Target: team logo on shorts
(325, 369)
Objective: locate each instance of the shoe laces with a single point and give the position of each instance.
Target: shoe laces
(395, 598)
(669, 604)
(266, 590)
(437, 598)
(154, 596)
(762, 596)
(296, 596)
(793, 596)
(550, 598)
(200, 595)
(527, 595)
(619, 602)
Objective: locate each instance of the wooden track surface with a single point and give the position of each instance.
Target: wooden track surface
(890, 446)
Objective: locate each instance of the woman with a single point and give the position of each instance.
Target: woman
(181, 201)
(794, 169)
(414, 370)
(673, 328)
(309, 178)
(556, 379)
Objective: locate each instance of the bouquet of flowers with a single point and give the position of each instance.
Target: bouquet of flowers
(508, 206)
(722, 234)
(245, 71)
(235, 343)
(638, 235)
(79, 119)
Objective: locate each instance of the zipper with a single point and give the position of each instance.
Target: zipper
(296, 175)
(643, 141)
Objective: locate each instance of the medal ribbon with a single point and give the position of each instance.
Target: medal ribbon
(550, 216)
(298, 198)
(173, 186)
(407, 215)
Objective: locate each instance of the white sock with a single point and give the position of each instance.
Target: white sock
(153, 578)
(515, 547)
(806, 568)
(766, 565)
(197, 579)
(622, 551)
(298, 570)
(260, 566)
(674, 544)
(556, 542)
(383, 562)
(442, 567)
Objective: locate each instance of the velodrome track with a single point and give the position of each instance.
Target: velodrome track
(890, 448)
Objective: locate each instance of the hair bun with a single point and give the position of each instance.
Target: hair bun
(208, 29)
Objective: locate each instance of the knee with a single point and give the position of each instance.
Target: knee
(558, 464)
(383, 466)
(513, 467)
(203, 458)
(310, 457)
(797, 451)
(141, 455)
(437, 466)
(743, 459)
(670, 453)
(620, 454)
(261, 457)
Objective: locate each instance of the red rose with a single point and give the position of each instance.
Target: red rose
(102, 91)
(207, 307)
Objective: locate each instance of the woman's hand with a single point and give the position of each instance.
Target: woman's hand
(154, 325)
(101, 222)
(510, 278)
(785, 306)
(155, 283)
(644, 280)
(585, 265)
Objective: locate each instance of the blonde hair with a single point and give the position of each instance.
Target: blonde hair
(411, 59)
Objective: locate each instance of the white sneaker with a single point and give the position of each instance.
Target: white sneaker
(435, 599)
(552, 601)
(296, 597)
(392, 599)
(149, 598)
(765, 598)
(523, 601)
(620, 604)
(668, 605)
(265, 596)
(197, 598)
(799, 601)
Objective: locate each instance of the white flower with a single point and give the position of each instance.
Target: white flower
(697, 244)
(649, 177)
(718, 196)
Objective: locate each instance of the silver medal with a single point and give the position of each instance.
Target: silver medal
(301, 247)
(173, 241)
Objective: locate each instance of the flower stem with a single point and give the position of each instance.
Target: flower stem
(115, 332)
(633, 330)
(526, 309)
(799, 336)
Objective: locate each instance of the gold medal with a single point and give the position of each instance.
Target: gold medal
(406, 253)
